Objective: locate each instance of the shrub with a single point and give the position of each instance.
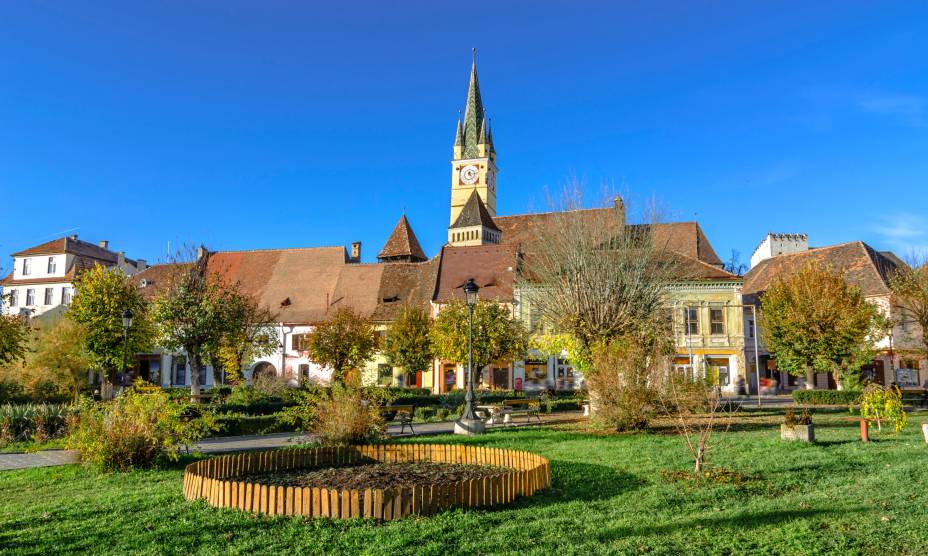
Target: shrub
(826, 397)
(36, 422)
(338, 415)
(791, 419)
(883, 404)
(620, 384)
(136, 429)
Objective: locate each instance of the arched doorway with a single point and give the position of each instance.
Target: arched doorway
(263, 368)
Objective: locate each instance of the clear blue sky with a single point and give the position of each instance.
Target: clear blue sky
(283, 124)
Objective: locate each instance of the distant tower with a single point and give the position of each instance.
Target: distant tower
(779, 244)
(474, 164)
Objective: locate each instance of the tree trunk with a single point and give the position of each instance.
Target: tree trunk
(194, 360)
(810, 378)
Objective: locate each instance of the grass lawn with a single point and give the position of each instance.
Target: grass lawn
(609, 497)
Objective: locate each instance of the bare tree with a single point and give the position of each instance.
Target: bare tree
(695, 406)
(591, 275)
(909, 285)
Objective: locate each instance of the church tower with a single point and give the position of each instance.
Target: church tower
(474, 165)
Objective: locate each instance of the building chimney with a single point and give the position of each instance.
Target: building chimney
(104, 244)
(356, 252)
(73, 237)
(201, 252)
(121, 259)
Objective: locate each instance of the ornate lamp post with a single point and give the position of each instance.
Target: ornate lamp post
(126, 324)
(469, 423)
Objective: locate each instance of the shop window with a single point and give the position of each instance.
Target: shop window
(717, 321)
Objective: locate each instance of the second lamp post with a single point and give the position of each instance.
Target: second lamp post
(469, 423)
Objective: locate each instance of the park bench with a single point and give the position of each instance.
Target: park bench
(401, 414)
(915, 396)
(528, 408)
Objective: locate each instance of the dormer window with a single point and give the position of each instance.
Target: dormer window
(51, 265)
(27, 267)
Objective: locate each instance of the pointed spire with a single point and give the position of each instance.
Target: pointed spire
(402, 245)
(490, 135)
(474, 213)
(459, 134)
(483, 133)
(473, 112)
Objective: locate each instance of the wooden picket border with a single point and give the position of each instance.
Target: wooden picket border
(218, 481)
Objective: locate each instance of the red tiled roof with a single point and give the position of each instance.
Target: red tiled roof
(402, 243)
(405, 284)
(862, 266)
(686, 238)
(493, 267)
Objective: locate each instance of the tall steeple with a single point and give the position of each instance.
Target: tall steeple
(474, 164)
(473, 113)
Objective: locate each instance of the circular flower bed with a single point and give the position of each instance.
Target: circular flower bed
(388, 481)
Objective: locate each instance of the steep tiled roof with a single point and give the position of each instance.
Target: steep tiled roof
(405, 284)
(357, 287)
(71, 246)
(402, 244)
(296, 283)
(158, 278)
(686, 238)
(493, 267)
(862, 266)
(474, 213)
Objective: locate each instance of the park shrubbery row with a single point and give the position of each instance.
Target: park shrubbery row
(826, 397)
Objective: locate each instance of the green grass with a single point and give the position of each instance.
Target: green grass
(31, 446)
(608, 497)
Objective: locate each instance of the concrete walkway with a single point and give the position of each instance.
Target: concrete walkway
(229, 444)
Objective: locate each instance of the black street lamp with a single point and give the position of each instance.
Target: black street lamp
(469, 423)
(126, 324)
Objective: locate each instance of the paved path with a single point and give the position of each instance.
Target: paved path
(45, 458)
(263, 442)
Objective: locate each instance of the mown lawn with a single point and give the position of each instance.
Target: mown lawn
(609, 497)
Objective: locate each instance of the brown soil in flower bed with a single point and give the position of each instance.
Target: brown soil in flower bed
(377, 475)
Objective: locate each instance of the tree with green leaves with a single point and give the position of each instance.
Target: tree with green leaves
(14, 335)
(103, 294)
(248, 334)
(344, 342)
(497, 335)
(909, 285)
(58, 360)
(813, 320)
(191, 316)
(407, 343)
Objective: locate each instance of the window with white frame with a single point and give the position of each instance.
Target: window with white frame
(49, 295)
(66, 295)
(14, 297)
(27, 267)
(30, 297)
(51, 265)
(298, 342)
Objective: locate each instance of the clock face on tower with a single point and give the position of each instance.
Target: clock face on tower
(469, 174)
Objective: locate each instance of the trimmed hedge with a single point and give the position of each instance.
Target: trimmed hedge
(237, 425)
(826, 397)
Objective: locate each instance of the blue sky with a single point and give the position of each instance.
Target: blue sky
(284, 124)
